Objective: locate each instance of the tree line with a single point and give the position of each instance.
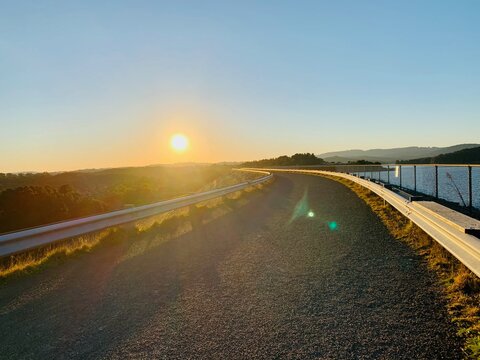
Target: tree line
(30, 200)
(296, 159)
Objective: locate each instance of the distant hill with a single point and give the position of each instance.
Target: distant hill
(159, 177)
(391, 155)
(465, 156)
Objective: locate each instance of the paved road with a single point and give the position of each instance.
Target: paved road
(264, 281)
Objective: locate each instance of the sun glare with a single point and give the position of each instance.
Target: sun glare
(179, 142)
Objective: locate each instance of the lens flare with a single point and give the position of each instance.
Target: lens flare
(311, 214)
(301, 208)
(332, 225)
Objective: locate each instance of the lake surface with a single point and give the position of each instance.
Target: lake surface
(452, 181)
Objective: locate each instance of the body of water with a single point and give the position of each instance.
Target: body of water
(452, 181)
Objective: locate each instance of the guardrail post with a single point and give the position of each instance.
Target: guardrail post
(436, 181)
(388, 174)
(415, 178)
(470, 190)
(400, 174)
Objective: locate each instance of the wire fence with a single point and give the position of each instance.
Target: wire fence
(455, 183)
(459, 184)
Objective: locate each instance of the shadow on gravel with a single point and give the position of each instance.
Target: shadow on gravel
(99, 300)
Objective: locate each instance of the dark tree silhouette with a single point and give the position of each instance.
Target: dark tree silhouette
(28, 200)
(296, 159)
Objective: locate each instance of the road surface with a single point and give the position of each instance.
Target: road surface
(304, 270)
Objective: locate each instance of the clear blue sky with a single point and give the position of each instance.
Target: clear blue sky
(105, 83)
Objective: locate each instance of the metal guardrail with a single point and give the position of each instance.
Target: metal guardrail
(465, 247)
(16, 242)
(458, 183)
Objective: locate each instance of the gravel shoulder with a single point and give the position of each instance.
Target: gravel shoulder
(264, 281)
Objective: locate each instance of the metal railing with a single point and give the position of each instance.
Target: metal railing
(455, 183)
(15, 242)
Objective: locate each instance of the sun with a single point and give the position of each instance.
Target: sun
(179, 142)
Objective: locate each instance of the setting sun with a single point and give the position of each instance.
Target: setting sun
(179, 142)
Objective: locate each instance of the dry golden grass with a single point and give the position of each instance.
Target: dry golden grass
(28, 260)
(461, 286)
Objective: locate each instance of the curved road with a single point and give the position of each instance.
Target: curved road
(304, 270)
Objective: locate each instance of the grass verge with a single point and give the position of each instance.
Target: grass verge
(461, 286)
(36, 259)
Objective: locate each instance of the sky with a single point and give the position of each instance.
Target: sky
(90, 84)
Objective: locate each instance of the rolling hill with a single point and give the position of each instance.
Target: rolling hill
(465, 156)
(391, 155)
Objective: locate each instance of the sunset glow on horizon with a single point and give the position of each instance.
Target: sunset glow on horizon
(105, 84)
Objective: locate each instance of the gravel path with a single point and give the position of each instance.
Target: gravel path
(264, 281)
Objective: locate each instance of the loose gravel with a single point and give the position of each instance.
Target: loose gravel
(304, 270)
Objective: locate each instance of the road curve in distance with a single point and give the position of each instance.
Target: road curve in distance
(304, 270)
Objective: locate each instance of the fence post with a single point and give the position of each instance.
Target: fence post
(436, 181)
(415, 178)
(470, 190)
(400, 174)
